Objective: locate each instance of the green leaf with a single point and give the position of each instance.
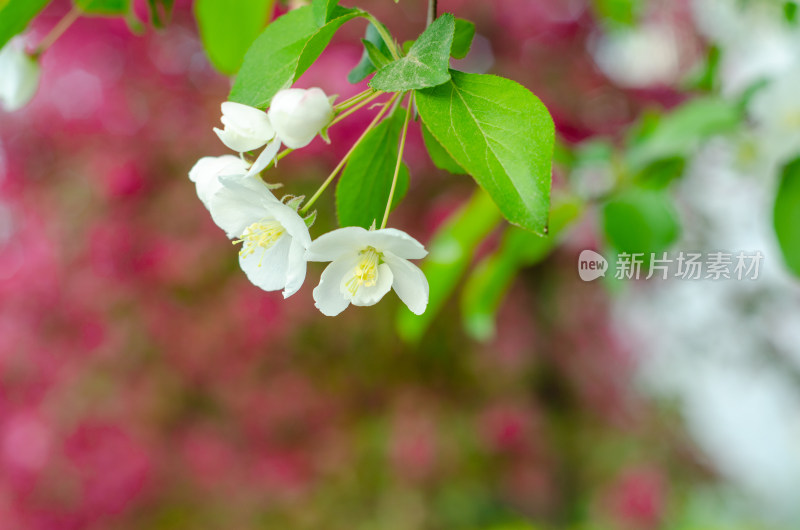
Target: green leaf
(440, 157)
(787, 215)
(327, 10)
(15, 16)
(320, 40)
(624, 12)
(104, 7)
(451, 252)
(502, 135)
(683, 130)
(661, 173)
(426, 64)
(160, 11)
(377, 56)
(462, 39)
(227, 29)
(640, 221)
(366, 66)
(488, 285)
(363, 188)
(281, 54)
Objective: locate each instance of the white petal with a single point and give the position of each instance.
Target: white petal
(267, 268)
(298, 115)
(249, 120)
(328, 297)
(206, 172)
(372, 295)
(397, 242)
(410, 283)
(265, 158)
(253, 187)
(19, 76)
(296, 269)
(331, 246)
(238, 204)
(237, 142)
(292, 222)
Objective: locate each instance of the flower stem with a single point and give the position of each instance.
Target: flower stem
(432, 9)
(344, 160)
(399, 161)
(356, 108)
(346, 104)
(58, 30)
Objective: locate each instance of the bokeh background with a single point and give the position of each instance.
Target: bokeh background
(145, 384)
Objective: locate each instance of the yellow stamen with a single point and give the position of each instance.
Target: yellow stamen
(365, 272)
(261, 234)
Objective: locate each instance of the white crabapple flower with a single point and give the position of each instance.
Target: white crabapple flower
(365, 265)
(19, 75)
(272, 235)
(208, 170)
(248, 128)
(298, 115)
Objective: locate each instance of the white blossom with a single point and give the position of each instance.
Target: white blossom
(246, 128)
(365, 265)
(19, 76)
(273, 236)
(207, 171)
(640, 57)
(298, 115)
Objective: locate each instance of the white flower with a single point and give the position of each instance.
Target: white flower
(298, 115)
(246, 128)
(365, 265)
(641, 57)
(273, 236)
(19, 76)
(207, 171)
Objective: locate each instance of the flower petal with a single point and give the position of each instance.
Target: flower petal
(328, 297)
(410, 283)
(265, 158)
(267, 269)
(298, 115)
(397, 242)
(245, 118)
(333, 245)
(296, 268)
(19, 75)
(238, 204)
(291, 221)
(206, 172)
(238, 142)
(372, 295)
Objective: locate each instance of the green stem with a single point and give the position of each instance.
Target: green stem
(384, 33)
(58, 30)
(356, 108)
(399, 161)
(344, 160)
(346, 104)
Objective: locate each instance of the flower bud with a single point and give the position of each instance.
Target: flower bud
(19, 76)
(298, 115)
(246, 128)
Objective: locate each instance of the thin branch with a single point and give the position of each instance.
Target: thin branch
(58, 30)
(399, 162)
(344, 160)
(433, 7)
